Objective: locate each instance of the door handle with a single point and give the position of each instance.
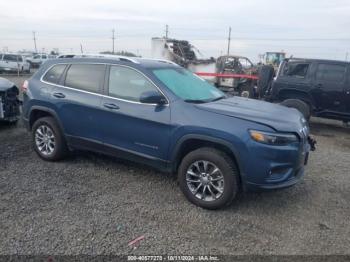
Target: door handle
(111, 106)
(319, 85)
(59, 95)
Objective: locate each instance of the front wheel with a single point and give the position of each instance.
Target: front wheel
(208, 178)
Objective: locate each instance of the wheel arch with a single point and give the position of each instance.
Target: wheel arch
(37, 112)
(285, 94)
(189, 143)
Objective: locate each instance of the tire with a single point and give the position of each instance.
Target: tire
(247, 91)
(300, 105)
(57, 148)
(225, 179)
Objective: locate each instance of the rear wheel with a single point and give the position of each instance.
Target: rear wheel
(48, 140)
(208, 178)
(300, 105)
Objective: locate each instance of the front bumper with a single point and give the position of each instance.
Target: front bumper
(290, 181)
(276, 167)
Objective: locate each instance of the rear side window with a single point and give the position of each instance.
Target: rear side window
(297, 70)
(54, 74)
(329, 72)
(128, 84)
(85, 77)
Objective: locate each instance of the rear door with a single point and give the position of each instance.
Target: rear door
(329, 85)
(78, 101)
(127, 123)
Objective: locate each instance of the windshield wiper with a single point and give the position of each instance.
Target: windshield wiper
(217, 99)
(195, 101)
(201, 101)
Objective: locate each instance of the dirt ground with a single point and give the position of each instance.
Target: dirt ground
(93, 204)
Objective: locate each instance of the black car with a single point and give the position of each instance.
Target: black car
(9, 102)
(315, 87)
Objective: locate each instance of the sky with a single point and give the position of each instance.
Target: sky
(302, 28)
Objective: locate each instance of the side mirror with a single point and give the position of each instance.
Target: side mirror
(152, 97)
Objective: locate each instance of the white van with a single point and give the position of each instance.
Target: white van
(13, 63)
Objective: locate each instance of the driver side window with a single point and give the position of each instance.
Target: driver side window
(126, 83)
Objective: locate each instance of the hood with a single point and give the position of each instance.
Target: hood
(5, 84)
(275, 116)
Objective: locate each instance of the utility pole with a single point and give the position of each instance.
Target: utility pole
(229, 41)
(34, 38)
(81, 48)
(113, 38)
(166, 31)
(346, 56)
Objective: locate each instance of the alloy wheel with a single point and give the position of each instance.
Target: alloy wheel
(45, 140)
(205, 180)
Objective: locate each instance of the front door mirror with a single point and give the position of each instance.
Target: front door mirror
(152, 97)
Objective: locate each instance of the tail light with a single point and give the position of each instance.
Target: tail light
(25, 86)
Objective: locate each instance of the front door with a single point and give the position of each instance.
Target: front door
(128, 124)
(328, 88)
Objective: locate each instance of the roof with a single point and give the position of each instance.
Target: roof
(112, 59)
(316, 60)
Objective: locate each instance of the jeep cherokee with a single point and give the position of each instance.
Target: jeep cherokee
(156, 112)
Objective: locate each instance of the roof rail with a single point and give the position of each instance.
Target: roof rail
(119, 57)
(125, 58)
(159, 60)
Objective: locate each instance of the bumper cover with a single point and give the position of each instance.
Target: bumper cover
(279, 168)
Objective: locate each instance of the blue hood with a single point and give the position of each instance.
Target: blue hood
(275, 116)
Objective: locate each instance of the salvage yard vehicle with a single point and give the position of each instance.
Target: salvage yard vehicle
(9, 102)
(216, 71)
(13, 63)
(274, 58)
(239, 65)
(39, 59)
(315, 87)
(158, 113)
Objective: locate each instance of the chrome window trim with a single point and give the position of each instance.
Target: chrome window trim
(92, 93)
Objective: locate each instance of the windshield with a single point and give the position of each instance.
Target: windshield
(187, 85)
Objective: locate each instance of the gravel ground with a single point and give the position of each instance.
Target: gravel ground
(93, 204)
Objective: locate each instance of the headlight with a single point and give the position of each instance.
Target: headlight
(277, 139)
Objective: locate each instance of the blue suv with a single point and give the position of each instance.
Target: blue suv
(157, 113)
